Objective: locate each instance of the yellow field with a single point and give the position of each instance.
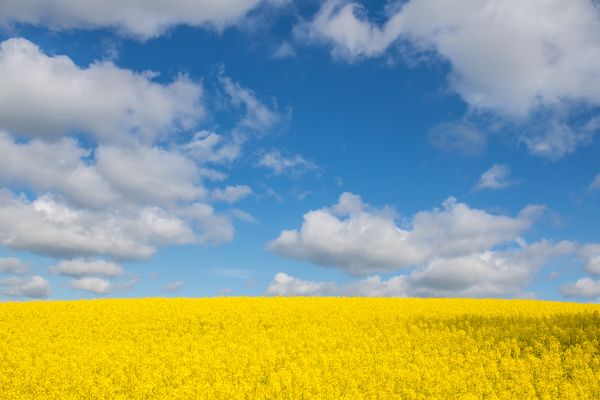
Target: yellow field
(299, 348)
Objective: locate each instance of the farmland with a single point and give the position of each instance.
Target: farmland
(299, 348)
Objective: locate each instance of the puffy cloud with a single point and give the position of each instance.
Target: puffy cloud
(374, 286)
(591, 256)
(510, 55)
(584, 287)
(213, 228)
(488, 273)
(83, 267)
(231, 194)
(497, 177)
(48, 96)
(54, 166)
(91, 284)
(48, 227)
(12, 265)
(480, 274)
(127, 188)
(35, 287)
(150, 175)
(286, 285)
(461, 138)
(99, 286)
(133, 17)
(279, 164)
(531, 63)
(360, 239)
(595, 185)
(210, 147)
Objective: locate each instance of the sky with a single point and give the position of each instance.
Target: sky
(315, 148)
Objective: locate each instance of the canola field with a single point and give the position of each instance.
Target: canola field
(299, 348)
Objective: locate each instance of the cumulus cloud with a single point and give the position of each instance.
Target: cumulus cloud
(481, 274)
(584, 287)
(497, 177)
(210, 147)
(49, 96)
(150, 175)
(91, 284)
(12, 265)
(591, 257)
(286, 285)
(212, 228)
(83, 267)
(97, 285)
(361, 239)
(123, 188)
(512, 58)
(494, 48)
(54, 166)
(49, 227)
(231, 194)
(487, 273)
(35, 287)
(280, 164)
(133, 17)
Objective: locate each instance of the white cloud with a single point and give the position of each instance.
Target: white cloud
(554, 139)
(36, 287)
(83, 267)
(258, 116)
(374, 286)
(482, 274)
(595, 185)
(48, 227)
(591, 256)
(173, 287)
(584, 287)
(12, 265)
(279, 164)
(210, 147)
(361, 239)
(511, 55)
(139, 18)
(91, 284)
(212, 228)
(56, 166)
(49, 96)
(286, 285)
(497, 177)
(488, 273)
(514, 59)
(150, 175)
(100, 286)
(458, 138)
(231, 194)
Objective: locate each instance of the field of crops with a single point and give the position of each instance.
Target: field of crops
(299, 348)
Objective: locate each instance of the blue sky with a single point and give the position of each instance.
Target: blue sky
(300, 148)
